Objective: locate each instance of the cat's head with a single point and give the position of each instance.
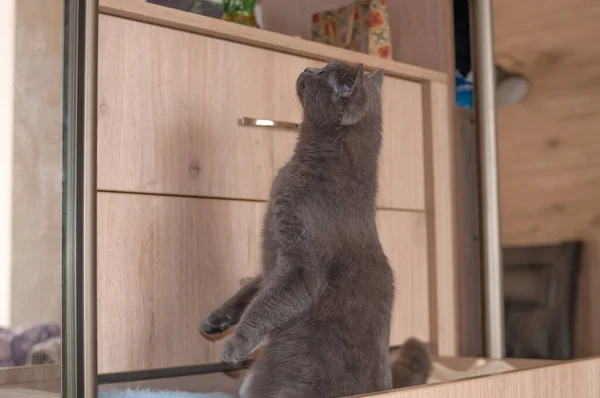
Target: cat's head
(339, 94)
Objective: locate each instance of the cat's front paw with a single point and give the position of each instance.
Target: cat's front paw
(216, 322)
(238, 349)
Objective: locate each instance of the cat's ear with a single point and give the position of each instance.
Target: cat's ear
(352, 84)
(355, 99)
(376, 78)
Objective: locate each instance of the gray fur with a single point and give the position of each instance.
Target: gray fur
(413, 366)
(325, 295)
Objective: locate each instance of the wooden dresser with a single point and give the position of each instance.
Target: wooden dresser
(182, 186)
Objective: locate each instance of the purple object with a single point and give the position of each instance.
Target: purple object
(6, 337)
(21, 340)
(6, 363)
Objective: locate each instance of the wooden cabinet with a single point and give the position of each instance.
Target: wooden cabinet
(164, 262)
(182, 186)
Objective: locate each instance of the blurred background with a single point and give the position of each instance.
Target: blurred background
(549, 146)
(31, 292)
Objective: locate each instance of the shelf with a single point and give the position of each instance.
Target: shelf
(189, 22)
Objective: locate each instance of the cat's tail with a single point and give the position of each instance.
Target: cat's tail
(413, 366)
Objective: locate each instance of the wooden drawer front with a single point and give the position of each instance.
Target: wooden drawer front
(164, 262)
(403, 236)
(401, 166)
(168, 108)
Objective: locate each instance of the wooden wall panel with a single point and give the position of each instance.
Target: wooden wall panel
(403, 236)
(549, 145)
(441, 217)
(469, 272)
(401, 179)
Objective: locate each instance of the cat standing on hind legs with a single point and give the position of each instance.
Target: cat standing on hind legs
(323, 302)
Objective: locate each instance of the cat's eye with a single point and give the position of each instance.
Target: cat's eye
(321, 73)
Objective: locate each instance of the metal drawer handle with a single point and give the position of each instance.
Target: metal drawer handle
(248, 121)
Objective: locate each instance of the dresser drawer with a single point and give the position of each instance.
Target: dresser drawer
(169, 104)
(164, 262)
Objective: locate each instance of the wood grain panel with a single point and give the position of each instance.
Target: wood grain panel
(420, 33)
(29, 374)
(168, 112)
(164, 262)
(173, 128)
(266, 90)
(469, 288)
(404, 239)
(441, 218)
(549, 144)
(37, 164)
(401, 178)
(20, 392)
(571, 379)
(185, 21)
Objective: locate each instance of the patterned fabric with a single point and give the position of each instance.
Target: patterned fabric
(363, 26)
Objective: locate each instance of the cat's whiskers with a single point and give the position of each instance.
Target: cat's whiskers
(294, 97)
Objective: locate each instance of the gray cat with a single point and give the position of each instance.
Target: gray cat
(323, 302)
